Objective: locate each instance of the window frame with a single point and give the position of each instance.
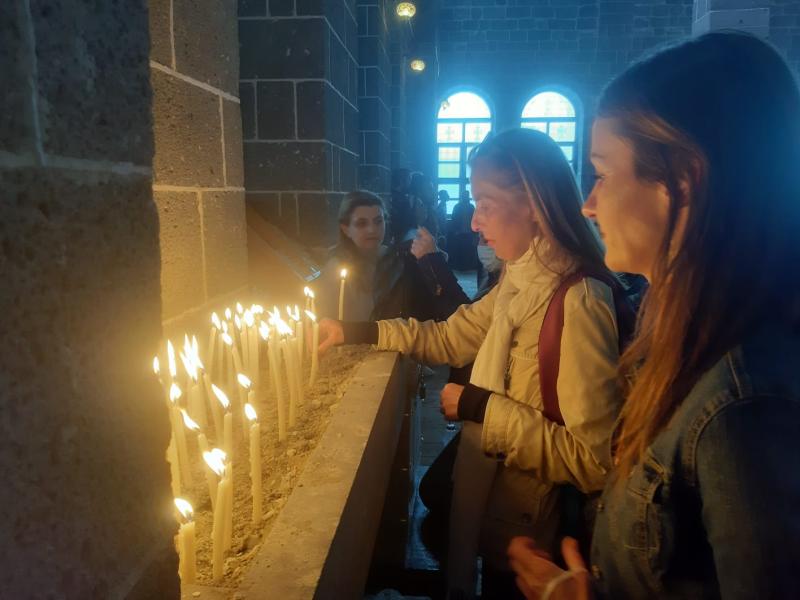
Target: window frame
(462, 181)
(577, 107)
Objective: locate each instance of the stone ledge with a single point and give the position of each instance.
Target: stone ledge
(321, 544)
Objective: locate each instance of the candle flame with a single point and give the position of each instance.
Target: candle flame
(214, 461)
(311, 293)
(343, 273)
(223, 399)
(263, 329)
(239, 308)
(228, 314)
(156, 366)
(215, 320)
(225, 327)
(244, 381)
(249, 319)
(195, 347)
(282, 327)
(311, 316)
(307, 292)
(258, 309)
(174, 392)
(238, 322)
(189, 422)
(227, 339)
(190, 366)
(187, 345)
(250, 412)
(184, 508)
(173, 367)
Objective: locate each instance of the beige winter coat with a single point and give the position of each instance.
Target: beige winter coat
(538, 452)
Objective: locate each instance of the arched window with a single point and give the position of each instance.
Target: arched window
(553, 114)
(463, 121)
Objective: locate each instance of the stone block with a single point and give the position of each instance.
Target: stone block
(183, 284)
(232, 131)
(16, 117)
(350, 33)
(188, 133)
(281, 8)
(374, 178)
(275, 106)
(255, 8)
(206, 43)
(348, 171)
(311, 7)
(319, 112)
(247, 97)
(93, 81)
(80, 302)
(351, 131)
(267, 204)
(160, 31)
(286, 48)
(376, 149)
(368, 49)
(316, 227)
(225, 235)
(270, 166)
(340, 62)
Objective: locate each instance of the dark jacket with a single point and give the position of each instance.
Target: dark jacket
(713, 511)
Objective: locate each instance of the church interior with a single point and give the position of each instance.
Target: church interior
(173, 173)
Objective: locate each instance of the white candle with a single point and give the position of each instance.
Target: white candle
(187, 568)
(252, 352)
(291, 379)
(174, 466)
(300, 342)
(212, 341)
(274, 369)
(255, 461)
(173, 366)
(314, 348)
(216, 408)
(245, 395)
(227, 423)
(244, 340)
(343, 275)
(217, 464)
(180, 435)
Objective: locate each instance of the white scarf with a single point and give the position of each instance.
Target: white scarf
(524, 289)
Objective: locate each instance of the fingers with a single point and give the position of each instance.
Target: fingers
(326, 344)
(572, 554)
(527, 591)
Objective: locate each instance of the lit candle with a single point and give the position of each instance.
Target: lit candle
(343, 275)
(288, 357)
(307, 294)
(277, 385)
(252, 353)
(245, 395)
(313, 301)
(227, 422)
(173, 366)
(314, 348)
(300, 341)
(174, 466)
(195, 404)
(180, 435)
(187, 568)
(234, 352)
(217, 464)
(244, 342)
(212, 340)
(239, 308)
(255, 461)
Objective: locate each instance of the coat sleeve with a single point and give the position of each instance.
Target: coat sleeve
(577, 452)
(442, 284)
(746, 469)
(454, 342)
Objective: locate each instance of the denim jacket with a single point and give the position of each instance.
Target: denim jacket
(713, 510)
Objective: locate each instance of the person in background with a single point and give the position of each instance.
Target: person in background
(512, 457)
(463, 241)
(697, 191)
(403, 215)
(407, 279)
(423, 197)
(441, 213)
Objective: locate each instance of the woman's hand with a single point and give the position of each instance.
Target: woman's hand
(423, 244)
(451, 394)
(539, 577)
(331, 333)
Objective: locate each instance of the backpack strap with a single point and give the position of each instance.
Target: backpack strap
(553, 326)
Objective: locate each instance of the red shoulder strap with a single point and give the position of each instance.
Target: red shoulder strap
(550, 348)
(553, 326)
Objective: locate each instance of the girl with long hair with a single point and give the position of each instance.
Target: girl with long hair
(696, 151)
(512, 457)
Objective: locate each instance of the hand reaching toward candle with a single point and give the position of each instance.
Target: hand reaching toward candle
(331, 333)
(423, 244)
(539, 577)
(451, 394)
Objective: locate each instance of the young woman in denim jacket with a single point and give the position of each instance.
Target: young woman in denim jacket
(697, 153)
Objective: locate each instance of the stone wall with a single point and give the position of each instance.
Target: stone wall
(85, 504)
(299, 103)
(197, 168)
(374, 81)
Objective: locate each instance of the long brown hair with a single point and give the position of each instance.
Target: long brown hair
(530, 162)
(717, 121)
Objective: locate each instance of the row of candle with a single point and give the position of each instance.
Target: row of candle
(229, 356)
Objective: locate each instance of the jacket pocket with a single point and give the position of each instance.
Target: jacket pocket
(650, 533)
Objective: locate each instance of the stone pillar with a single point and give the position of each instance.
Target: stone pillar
(198, 174)
(298, 89)
(751, 16)
(85, 503)
(398, 49)
(375, 119)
